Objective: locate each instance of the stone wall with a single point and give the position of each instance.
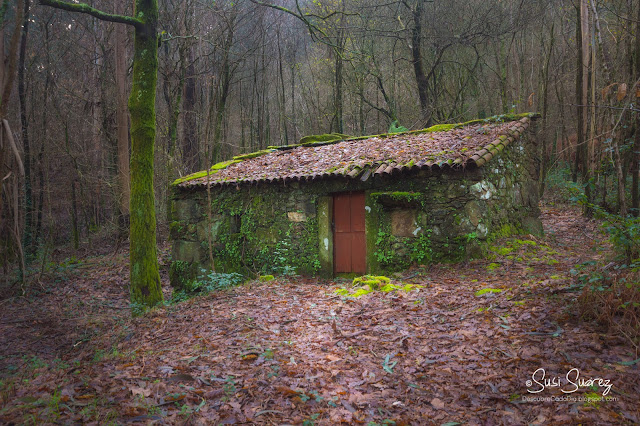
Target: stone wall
(427, 216)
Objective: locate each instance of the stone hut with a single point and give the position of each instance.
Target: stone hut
(371, 204)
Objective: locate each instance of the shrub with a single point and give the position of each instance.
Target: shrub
(612, 300)
(206, 283)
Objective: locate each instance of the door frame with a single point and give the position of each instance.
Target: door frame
(325, 233)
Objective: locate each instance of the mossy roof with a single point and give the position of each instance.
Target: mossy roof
(454, 146)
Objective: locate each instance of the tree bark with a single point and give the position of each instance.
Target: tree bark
(418, 67)
(338, 94)
(144, 275)
(545, 98)
(122, 124)
(2, 12)
(222, 93)
(189, 139)
(27, 232)
(11, 61)
(587, 145)
(635, 165)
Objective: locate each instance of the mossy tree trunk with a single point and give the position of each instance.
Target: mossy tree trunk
(144, 275)
(145, 278)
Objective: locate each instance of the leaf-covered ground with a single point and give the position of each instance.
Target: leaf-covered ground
(290, 351)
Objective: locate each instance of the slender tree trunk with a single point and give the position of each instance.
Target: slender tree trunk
(591, 151)
(95, 183)
(75, 232)
(189, 139)
(11, 61)
(294, 122)
(545, 98)
(221, 104)
(2, 62)
(338, 96)
(284, 139)
(418, 66)
(122, 124)
(27, 232)
(587, 147)
(635, 165)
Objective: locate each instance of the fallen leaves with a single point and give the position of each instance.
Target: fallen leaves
(439, 353)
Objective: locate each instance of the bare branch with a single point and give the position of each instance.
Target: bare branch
(170, 38)
(86, 9)
(12, 143)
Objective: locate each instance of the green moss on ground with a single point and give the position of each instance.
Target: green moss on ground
(367, 284)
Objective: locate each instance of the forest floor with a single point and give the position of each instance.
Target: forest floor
(292, 351)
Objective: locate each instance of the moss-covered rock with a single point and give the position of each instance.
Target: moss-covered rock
(373, 281)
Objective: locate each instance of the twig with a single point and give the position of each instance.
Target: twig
(6, 300)
(481, 353)
(556, 333)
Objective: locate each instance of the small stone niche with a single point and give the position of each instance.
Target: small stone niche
(403, 223)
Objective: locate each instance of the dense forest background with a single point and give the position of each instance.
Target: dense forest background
(238, 76)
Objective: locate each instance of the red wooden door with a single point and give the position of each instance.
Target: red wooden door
(349, 244)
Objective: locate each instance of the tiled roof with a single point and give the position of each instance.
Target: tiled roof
(439, 147)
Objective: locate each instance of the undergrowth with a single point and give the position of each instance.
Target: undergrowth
(612, 299)
(206, 283)
(610, 294)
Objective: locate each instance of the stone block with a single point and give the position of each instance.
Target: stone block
(186, 251)
(403, 223)
(267, 235)
(532, 225)
(297, 216)
(476, 210)
(187, 210)
(203, 226)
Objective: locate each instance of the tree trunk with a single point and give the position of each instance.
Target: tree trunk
(144, 275)
(418, 67)
(284, 139)
(222, 93)
(583, 119)
(11, 61)
(338, 94)
(635, 165)
(96, 178)
(545, 160)
(27, 232)
(189, 139)
(122, 124)
(2, 62)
